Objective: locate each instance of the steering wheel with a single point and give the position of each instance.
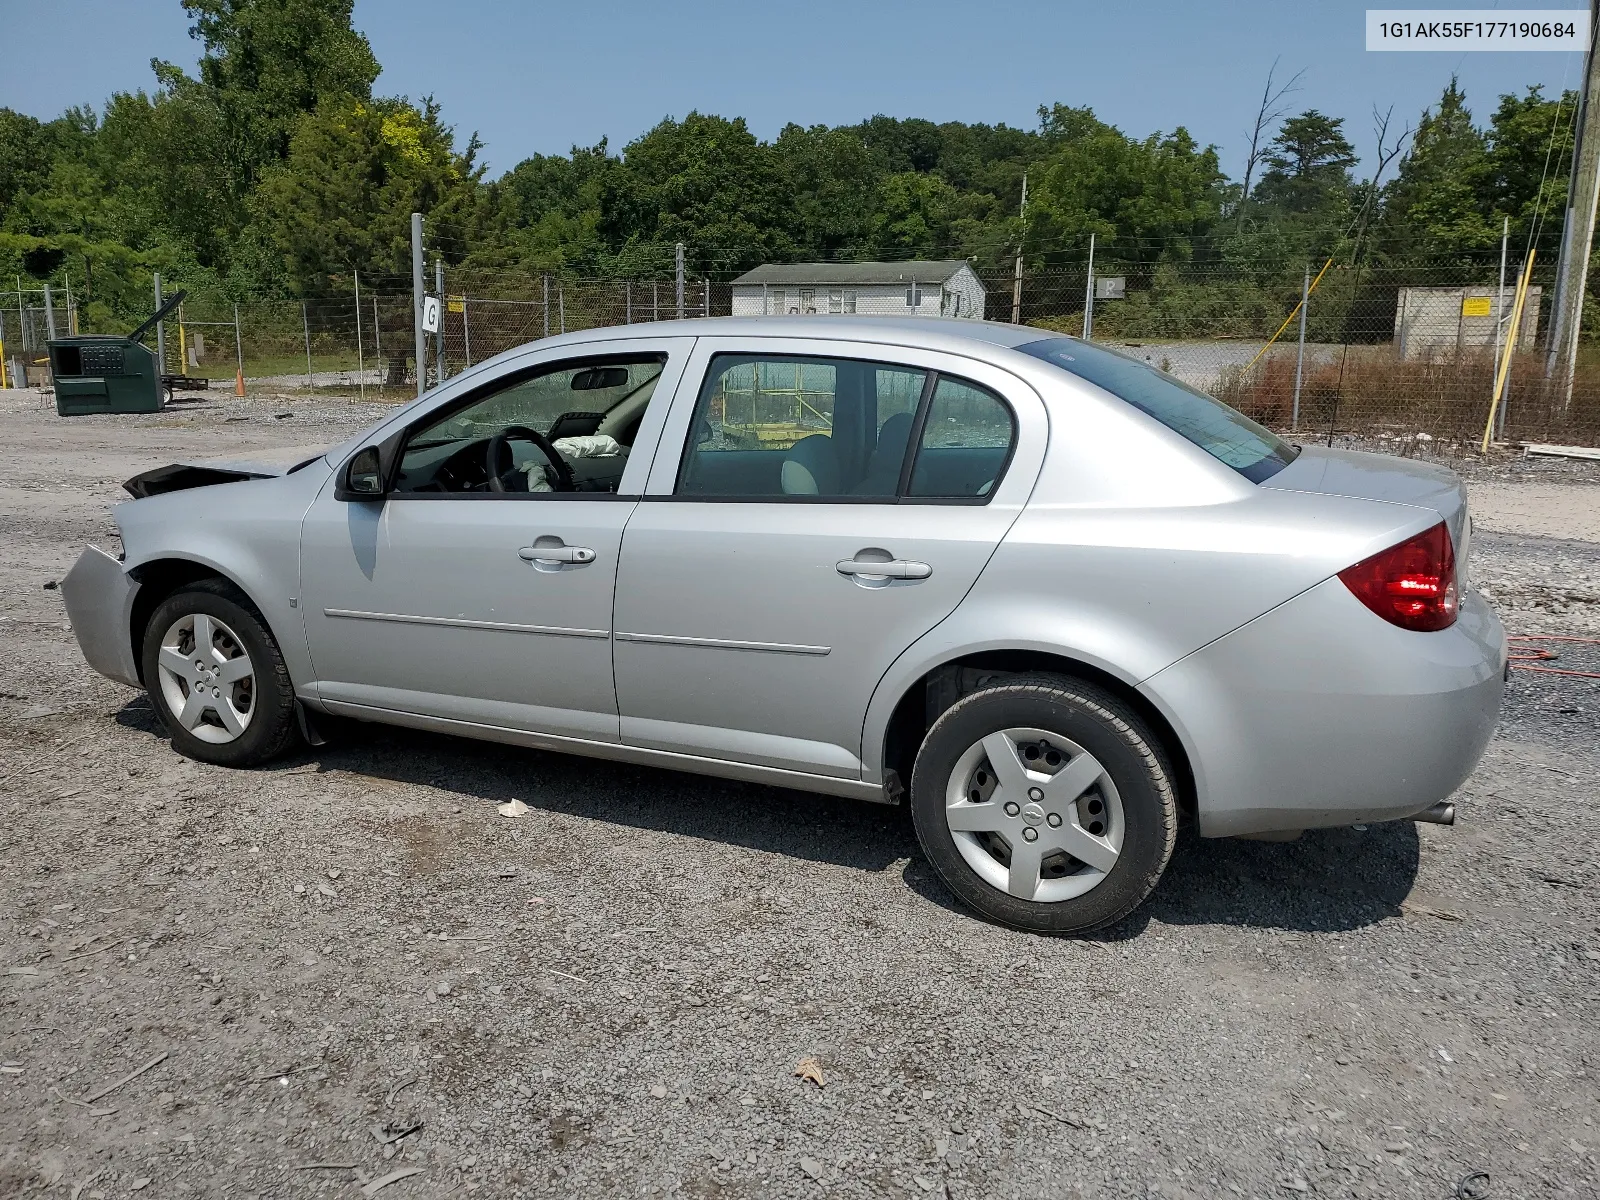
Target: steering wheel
(498, 452)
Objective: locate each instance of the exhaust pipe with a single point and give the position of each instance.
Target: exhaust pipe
(1442, 813)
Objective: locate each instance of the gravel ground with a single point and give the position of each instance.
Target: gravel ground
(348, 965)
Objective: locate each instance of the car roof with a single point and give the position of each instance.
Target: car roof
(934, 333)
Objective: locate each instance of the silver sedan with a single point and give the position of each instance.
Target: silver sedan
(1055, 599)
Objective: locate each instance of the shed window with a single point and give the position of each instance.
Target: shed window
(849, 300)
(836, 301)
(914, 296)
(777, 302)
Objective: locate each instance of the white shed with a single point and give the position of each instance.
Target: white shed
(895, 289)
(1430, 322)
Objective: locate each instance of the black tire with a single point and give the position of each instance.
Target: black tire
(271, 728)
(1099, 723)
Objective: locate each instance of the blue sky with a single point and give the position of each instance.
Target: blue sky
(539, 77)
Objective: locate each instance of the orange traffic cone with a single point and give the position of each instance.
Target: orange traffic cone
(238, 384)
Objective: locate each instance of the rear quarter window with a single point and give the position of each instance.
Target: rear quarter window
(1224, 433)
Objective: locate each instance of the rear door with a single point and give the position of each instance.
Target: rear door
(813, 509)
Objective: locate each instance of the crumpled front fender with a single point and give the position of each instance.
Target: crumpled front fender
(99, 594)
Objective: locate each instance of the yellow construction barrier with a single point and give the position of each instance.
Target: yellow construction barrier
(1293, 312)
(1511, 347)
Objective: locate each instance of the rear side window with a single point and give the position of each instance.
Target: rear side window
(965, 443)
(1222, 432)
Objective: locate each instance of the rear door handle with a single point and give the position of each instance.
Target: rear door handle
(572, 555)
(899, 568)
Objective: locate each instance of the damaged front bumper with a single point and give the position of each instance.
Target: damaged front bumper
(99, 596)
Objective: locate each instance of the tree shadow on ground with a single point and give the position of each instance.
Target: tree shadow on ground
(1330, 880)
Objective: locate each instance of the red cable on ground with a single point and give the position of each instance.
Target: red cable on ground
(1521, 661)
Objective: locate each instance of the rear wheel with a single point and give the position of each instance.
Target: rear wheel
(216, 677)
(1045, 804)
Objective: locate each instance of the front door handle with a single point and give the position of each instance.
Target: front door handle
(898, 568)
(563, 555)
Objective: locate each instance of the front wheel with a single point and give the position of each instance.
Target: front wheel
(216, 677)
(1046, 804)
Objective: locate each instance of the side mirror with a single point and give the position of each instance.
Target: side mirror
(363, 476)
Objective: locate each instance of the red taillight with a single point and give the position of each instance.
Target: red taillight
(1412, 585)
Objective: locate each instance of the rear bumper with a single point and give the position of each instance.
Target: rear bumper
(1320, 713)
(99, 596)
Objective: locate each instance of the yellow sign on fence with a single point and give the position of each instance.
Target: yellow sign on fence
(1476, 306)
(459, 306)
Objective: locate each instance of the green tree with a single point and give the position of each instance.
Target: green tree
(1528, 160)
(705, 181)
(1436, 201)
(341, 200)
(266, 64)
(1309, 163)
(1148, 198)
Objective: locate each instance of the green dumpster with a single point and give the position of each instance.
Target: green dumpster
(108, 373)
(103, 373)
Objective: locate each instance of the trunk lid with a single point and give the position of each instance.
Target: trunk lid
(1385, 478)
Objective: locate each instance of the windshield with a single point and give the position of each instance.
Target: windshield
(1222, 432)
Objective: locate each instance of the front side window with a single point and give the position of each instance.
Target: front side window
(804, 428)
(562, 427)
(1222, 432)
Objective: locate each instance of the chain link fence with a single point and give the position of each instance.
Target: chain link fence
(1389, 352)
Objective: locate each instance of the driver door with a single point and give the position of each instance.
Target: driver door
(453, 598)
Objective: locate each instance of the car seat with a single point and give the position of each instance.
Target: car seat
(811, 468)
(882, 476)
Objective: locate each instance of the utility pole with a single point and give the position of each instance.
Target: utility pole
(438, 334)
(161, 333)
(361, 358)
(1577, 235)
(680, 280)
(416, 303)
(1300, 355)
(1500, 308)
(49, 315)
(1088, 296)
(1016, 282)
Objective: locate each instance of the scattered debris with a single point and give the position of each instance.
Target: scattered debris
(659, 1092)
(511, 808)
(128, 1078)
(811, 1167)
(383, 1181)
(138, 1185)
(809, 1069)
(1072, 1119)
(283, 1074)
(1551, 451)
(385, 1138)
(96, 950)
(324, 1167)
(1422, 910)
(51, 585)
(388, 1101)
(22, 970)
(564, 975)
(1473, 1187)
(93, 1111)
(78, 1188)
